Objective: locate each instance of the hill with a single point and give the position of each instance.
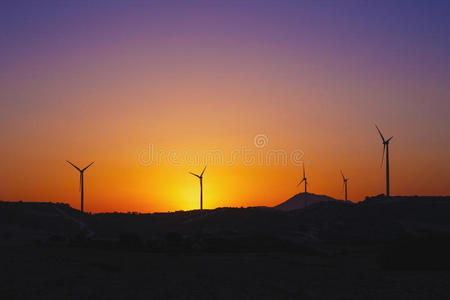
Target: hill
(23, 222)
(303, 200)
(376, 219)
(350, 248)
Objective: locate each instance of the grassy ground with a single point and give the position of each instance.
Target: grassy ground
(41, 272)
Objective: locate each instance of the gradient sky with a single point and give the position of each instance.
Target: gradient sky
(106, 80)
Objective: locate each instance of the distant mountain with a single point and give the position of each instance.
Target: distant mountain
(302, 200)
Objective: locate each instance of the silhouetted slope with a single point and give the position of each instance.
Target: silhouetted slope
(302, 200)
(376, 219)
(28, 221)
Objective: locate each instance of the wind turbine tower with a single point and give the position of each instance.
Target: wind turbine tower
(345, 184)
(81, 182)
(385, 150)
(304, 179)
(201, 186)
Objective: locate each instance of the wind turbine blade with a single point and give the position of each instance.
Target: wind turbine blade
(301, 182)
(194, 174)
(382, 137)
(389, 139)
(382, 157)
(80, 182)
(203, 172)
(74, 165)
(87, 166)
(343, 177)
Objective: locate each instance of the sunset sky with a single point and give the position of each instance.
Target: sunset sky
(109, 81)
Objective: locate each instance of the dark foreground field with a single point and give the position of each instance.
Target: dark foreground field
(43, 272)
(382, 248)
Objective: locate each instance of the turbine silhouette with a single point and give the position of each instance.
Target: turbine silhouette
(345, 184)
(81, 182)
(201, 186)
(304, 179)
(385, 150)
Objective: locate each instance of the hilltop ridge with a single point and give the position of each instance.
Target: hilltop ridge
(302, 200)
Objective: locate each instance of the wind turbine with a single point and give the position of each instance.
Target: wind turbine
(385, 150)
(304, 179)
(81, 181)
(201, 186)
(345, 184)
